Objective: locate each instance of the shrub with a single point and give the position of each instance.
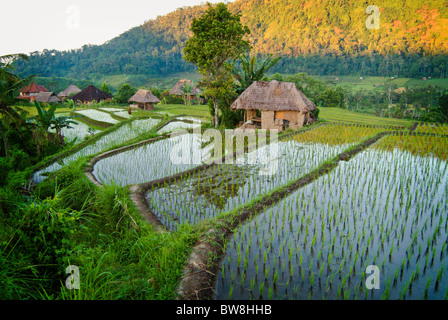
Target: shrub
(45, 232)
(315, 113)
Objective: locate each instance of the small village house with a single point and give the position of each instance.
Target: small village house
(281, 105)
(144, 99)
(177, 90)
(31, 91)
(71, 89)
(47, 97)
(91, 94)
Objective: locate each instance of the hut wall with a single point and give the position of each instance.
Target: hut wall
(267, 119)
(291, 116)
(296, 118)
(251, 114)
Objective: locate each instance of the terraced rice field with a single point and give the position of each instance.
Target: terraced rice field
(97, 115)
(224, 187)
(124, 133)
(380, 204)
(177, 125)
(317, 242)
(151, 162)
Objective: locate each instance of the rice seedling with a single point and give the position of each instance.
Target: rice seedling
(146, 163)
(97, 115)
(177, 125)
(121, 135)
(78, 131)
(366, 220)
(224, 187)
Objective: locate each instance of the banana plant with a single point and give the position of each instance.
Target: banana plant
(250, 70)
(46, 119)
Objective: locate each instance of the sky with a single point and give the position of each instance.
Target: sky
(34, 25)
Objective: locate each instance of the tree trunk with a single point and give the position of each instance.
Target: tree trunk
(215, 103)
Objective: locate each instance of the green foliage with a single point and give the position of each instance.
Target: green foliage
(316, 90)
(443, 107)
(46, 230)
(316, 37)
(251, 70)
(45, 117)
(105, 88)
(171, 98)
(315, 113)
(218, 37)
(125, 93)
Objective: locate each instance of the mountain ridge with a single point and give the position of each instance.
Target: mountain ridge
(311, 35)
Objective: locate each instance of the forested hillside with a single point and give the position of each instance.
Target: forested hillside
(314, 36)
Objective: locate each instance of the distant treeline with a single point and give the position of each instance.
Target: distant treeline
(322, 37)
(83, 64)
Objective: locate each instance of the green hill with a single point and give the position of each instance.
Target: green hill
(324, 37)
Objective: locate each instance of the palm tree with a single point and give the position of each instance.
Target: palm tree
(187, 90)
(251, 70)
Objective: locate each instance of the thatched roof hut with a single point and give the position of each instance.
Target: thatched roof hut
(177, 89)
(91, 94)
(47, 97)
(145, 99)
(281, 105)
(71, 89)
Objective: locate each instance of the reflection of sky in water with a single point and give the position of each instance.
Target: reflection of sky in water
(380, 208)
(124, 133)
(226, 186)
(152, 161)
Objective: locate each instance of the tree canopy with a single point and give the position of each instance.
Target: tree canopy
(218, 39)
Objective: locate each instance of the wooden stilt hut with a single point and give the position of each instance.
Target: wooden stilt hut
(145, 99)
(281, 104)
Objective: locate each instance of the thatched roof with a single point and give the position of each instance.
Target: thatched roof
(91, 93)
(70, 90)
(275, 96)
(47, 97)
(177, 89)
(144, 96)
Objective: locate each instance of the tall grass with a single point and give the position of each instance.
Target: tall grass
(119, 255)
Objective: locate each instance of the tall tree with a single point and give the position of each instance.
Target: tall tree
(218, 38)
